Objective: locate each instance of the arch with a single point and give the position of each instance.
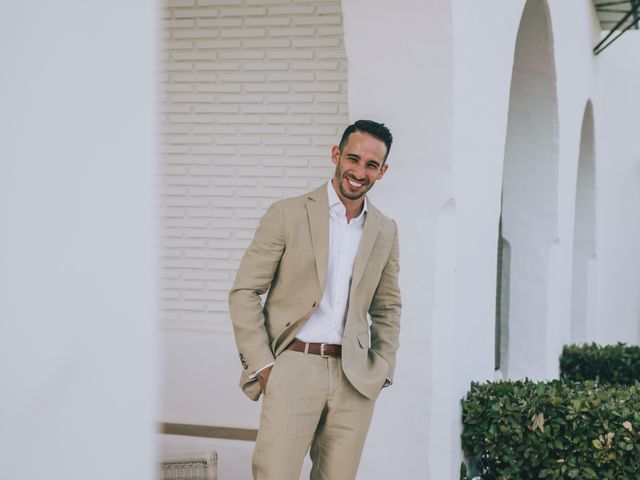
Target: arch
(529, 197)
(584, 236)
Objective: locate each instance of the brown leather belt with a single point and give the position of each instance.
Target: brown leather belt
(322, 349)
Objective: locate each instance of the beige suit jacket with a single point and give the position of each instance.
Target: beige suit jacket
(288, 257)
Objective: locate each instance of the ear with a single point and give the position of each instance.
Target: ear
(383, 170)
(335, 154)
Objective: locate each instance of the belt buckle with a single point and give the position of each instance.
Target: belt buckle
(322, 345)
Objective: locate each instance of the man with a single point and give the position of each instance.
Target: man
(328, 258)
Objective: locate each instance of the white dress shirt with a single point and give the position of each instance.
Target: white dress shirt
(326, 324)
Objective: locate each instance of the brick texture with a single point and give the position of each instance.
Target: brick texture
(254, 96)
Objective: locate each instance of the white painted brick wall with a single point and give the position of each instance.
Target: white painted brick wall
(254, 96)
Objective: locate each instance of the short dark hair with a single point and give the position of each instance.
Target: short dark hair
(375, 129)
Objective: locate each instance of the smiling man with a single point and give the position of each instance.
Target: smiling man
(329, 259)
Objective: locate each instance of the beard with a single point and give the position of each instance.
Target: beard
(345, 191)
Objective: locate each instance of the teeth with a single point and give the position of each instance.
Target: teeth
(354, 184)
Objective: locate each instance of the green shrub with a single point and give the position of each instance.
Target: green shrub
(524, 430)
(616, 364)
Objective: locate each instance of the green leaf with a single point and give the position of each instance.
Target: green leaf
(544, 473)
(589, 473)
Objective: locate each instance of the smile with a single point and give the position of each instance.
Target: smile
(354, 184)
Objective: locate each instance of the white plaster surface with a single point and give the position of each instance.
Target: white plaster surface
(584, 237)
(200, 375)
(400, 73)
(618, 187)
(530, 192)
(77, 252)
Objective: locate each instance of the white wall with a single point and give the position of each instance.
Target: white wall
(618, 191)
(484, 42)
(575, 30)
(400, 72)
(530, 195)
(484, 45)
(77, 251)
(481, 100)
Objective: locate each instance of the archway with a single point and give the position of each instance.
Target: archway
(529, 198)
(584, 237)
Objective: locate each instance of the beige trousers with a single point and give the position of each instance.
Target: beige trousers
(310, 404)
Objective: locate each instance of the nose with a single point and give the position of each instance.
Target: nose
(359, 171)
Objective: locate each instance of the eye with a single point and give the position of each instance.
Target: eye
(372, 165)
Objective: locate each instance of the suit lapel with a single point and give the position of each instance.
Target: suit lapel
(318, 212)
(369, 236)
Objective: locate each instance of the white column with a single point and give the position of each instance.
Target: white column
(77, 249)
(400, 72)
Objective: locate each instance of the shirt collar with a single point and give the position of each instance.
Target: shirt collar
(335, 202)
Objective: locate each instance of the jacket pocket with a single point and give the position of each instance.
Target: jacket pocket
(363, 339)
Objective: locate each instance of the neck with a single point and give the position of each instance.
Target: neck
(353, 207)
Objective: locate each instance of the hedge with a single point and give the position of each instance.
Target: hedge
(552, 430)
(617, 364)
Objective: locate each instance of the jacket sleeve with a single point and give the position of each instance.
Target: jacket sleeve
(257, 268)
(385, 309)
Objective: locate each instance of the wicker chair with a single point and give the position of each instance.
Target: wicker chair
(195, 466)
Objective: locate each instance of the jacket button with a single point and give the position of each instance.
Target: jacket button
(287, 324)
(314, 304)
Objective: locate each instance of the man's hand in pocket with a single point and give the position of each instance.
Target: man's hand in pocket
(263, 378)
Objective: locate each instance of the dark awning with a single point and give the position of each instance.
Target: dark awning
(616, 17)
